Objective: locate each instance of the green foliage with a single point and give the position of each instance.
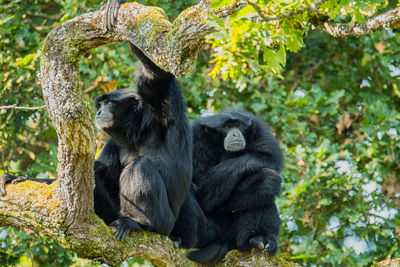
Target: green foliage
(334, 104)
(255, 39)
(18, 247)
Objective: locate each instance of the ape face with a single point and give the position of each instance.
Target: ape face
(104, 116)
(115, 108)
(118, 114)
(229, 130)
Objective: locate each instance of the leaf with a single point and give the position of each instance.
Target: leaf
(295, 40)
(344, 122)
(380, 47)
(276, 59)
(25, 262)
(301, 163)
(109, 86)
(25, 60)
(314, 118)
(259, 107)
(391, 187)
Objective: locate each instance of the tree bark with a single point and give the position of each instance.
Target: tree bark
(64, 209)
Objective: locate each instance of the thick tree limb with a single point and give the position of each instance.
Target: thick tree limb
(36, 206)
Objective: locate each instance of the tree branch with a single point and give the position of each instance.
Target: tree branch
(386, 20)
(14, 106)
(225, 11)
(36, 206)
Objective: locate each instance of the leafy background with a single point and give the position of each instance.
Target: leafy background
(333, 103)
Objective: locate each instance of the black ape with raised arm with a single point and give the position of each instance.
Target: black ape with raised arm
(236, 166)
(144, 172)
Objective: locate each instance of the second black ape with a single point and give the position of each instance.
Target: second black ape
(144, 172)
(236, 166)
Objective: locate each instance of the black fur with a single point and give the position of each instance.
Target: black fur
(237, 189)
(144, 172)
(193, 229)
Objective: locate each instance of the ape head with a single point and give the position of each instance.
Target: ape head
(229, 130)
(120, 109)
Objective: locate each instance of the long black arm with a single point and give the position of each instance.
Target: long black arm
(159, 89)
(226, 176)
(254, 191)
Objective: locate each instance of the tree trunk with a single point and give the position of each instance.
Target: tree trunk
(64, 209)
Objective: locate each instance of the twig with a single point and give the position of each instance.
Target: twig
(229, 10)
(14, 106)
(43, 16)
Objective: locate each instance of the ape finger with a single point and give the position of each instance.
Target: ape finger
(257, 242)
(115, 223)
(272, 246)
(125, 232)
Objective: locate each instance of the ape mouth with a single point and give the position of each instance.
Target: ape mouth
(103, 122)
(235, 146)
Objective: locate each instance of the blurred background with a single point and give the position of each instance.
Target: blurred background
(333, 103)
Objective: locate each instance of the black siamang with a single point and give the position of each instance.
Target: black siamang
(144, 172)
(236, 166)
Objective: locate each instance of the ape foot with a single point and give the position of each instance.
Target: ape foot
(177, 241)
(5, 179)
(111, 12)
(268, 242)
(257, 242)
(124, 226)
